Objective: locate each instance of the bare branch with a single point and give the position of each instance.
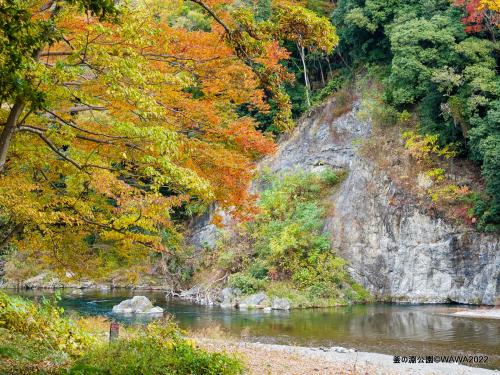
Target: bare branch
(173, 57)
(17, 229)
(69, 123)
(55, 53)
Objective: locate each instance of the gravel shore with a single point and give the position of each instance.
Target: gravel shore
(480, 313)
(263, 359)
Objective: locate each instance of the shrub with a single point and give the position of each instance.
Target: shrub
(424, 147)
(289, 245)
(43, 323)
(20, 355)
(246, 283)
(448, 193)
(159, 349)
(38, 339)
(333, 85)
(437, 174)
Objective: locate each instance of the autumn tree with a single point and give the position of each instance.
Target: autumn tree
(111, 121)
(308, 31)
(480, 15)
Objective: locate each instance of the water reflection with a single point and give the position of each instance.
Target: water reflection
(383, 328)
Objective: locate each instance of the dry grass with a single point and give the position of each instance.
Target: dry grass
(344, 100)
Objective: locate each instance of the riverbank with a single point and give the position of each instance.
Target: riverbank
(480, 313)
(296, 360)
(50, 281)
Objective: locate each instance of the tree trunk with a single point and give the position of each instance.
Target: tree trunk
(9, 130)
(321, 71)
(329, 66)
(306, 78)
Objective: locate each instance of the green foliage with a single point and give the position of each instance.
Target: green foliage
(449, 77)
(418, 46)
(247, 283)
(289, 245)
(288, 229)
(333, 85)
(483, 209)
(189, 17)
(44, 324)
(22, 355)
(36, 338)
(23, 37)
(160, 349)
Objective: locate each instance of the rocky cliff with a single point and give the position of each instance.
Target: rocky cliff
(395, 249)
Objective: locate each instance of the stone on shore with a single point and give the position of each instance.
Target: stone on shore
(255, 301)
(137, 305)
(480, 313)
(43, 280)
(280, 304)
(229, 297)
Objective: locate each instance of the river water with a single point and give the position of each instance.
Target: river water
(392, 329)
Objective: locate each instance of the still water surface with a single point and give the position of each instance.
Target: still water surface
(383, 328)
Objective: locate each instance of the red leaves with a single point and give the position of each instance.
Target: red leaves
(478, 17)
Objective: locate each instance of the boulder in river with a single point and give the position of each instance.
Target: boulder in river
(229, 297)
(255, 301)
(280, 304)
(137, 305)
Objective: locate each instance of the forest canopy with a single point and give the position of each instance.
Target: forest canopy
(120, 119)
(441, 61)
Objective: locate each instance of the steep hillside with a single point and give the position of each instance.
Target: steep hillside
(394, 246)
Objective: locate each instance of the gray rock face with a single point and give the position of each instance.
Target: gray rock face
(255, 301)
(203, 233)
(137, 305)
(229, 297)
(320, 140)
(280, 304)
(42, 280)
(396, 251)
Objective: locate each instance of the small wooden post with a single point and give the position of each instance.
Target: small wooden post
(114, 331)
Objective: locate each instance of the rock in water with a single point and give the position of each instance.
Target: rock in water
(255, 301)
(137, 305)
(280, 304)
(229, 297)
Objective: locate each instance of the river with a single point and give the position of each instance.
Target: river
(392, 329)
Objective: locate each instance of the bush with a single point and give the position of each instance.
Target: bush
(43, 323)
(20, 355)
(289, 245)
(38, 339)
(246, 283)
(160, 349)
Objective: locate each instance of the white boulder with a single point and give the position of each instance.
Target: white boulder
(137, 305)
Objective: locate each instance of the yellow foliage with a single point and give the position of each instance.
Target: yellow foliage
(448, 193)
(424, 147)
(493, 5)
(437, 174)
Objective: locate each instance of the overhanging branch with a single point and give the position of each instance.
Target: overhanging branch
(48, 142)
